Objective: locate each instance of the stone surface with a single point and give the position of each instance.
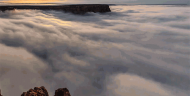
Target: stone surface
(62, 92)
(77, 9)
(37, 91)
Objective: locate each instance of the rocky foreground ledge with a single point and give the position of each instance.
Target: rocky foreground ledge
(41, 91)
(78, 9)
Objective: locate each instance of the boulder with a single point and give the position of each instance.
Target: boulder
(62, 92)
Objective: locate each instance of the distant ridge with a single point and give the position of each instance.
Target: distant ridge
(74, 8)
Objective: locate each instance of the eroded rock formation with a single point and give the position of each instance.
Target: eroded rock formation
(37, 91)
(62, 92)
(41, 91)
(77, 9)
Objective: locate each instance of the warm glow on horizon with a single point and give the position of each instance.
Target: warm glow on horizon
(33, 1)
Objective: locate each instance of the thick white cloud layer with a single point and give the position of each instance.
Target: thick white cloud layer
(19, 70)
(131, 85)
(130, 51)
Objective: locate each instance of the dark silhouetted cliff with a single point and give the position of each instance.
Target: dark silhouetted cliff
(77, 9)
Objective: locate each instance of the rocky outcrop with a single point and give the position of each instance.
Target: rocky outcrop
(77, 9)
(62, 92)
(37, 91)
(41, 91)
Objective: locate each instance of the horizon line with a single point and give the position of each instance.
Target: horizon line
(95, 3)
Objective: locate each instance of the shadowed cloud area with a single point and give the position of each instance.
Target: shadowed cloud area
(136, 50)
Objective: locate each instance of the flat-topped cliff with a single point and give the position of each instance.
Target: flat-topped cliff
(78, 9)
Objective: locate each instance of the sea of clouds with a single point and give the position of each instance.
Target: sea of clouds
(140, 50)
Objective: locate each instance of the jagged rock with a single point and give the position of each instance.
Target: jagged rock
(62, 92)
(37, 91)
(77, 9)
(44, 90)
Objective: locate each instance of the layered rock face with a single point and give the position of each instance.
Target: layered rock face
(77, 9)
(41, 91)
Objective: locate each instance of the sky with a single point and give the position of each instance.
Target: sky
(103, 1)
